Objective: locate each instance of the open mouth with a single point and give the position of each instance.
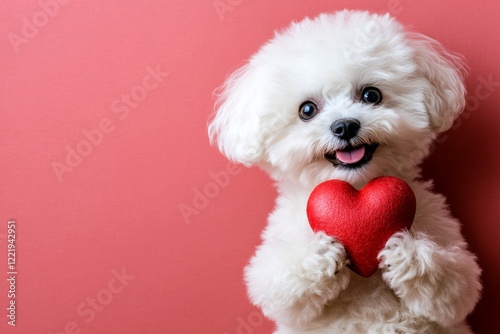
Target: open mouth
(352, 156)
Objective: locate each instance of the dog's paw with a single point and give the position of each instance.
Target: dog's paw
(327, 258)
(309, 286)
(439, 283)
(397, 257)
(404, 260)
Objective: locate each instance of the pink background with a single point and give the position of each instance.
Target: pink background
(118, 208)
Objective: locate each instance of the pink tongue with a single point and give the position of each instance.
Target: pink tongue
(351, 157)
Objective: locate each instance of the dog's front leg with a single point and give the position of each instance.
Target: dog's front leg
(438, 282)
(292, 279)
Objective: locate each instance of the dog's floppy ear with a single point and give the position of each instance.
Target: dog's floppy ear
(236, 127)
(444, 71)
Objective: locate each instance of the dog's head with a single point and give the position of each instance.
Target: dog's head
(349, 96)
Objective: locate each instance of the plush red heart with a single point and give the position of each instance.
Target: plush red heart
(362, 220)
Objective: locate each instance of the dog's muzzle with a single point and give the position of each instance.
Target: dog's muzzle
(349, 156)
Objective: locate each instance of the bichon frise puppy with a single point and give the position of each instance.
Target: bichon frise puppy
(349, 96)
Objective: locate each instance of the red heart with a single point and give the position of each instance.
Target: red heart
(362, 220)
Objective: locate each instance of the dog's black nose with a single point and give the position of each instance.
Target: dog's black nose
(345, 128)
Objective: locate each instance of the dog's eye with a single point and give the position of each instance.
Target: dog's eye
(307, 110)
(371, 95)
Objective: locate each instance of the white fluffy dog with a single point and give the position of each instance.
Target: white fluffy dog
(349, 96)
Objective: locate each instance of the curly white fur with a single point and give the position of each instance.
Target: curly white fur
(428, 280)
